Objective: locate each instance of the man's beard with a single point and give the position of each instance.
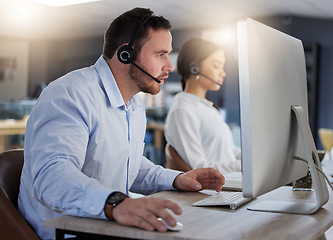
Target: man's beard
(145, 83)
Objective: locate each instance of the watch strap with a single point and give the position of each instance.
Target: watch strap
(115, 198)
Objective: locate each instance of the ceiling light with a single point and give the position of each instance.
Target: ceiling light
(223, 36)
(62, 3)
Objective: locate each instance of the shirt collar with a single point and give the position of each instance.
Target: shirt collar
(111, 88)
(133, 103)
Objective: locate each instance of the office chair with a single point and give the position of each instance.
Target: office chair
(174, 161)
(326, 139)
(13, 226)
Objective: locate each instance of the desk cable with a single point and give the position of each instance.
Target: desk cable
(317, 168)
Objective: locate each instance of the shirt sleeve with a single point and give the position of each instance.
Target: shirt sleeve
(238, 153)
(153, 178)
(59, 134)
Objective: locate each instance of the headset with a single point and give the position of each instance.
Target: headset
(126, 53)
(195, 67)
(196, 70)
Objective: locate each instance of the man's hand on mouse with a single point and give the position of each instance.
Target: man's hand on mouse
(143, 213)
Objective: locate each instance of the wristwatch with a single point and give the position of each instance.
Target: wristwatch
(115, 198)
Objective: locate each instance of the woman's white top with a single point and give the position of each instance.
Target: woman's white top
(196, 130)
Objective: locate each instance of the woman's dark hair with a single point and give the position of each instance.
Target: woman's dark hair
(194, 51)
(123, 27)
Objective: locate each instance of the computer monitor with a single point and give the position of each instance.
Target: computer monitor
(275, 134)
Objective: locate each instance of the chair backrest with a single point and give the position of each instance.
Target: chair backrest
(12, 224)
(326, 138)
(174, 161)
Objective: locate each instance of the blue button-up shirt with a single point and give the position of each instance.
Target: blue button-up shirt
(83, 142)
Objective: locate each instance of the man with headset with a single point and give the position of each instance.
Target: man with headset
(84, 138)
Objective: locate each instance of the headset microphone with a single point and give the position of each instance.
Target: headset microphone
(195, 70)
(126, 53)
(154, 78)
(210, 79)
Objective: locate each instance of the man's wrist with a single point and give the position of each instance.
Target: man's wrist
(108, 209)
(112, 201)
(115, 198)
(174, 184)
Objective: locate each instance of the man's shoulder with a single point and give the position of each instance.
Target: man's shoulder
(79, 79)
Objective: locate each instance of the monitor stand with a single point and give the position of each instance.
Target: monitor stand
(318, 181)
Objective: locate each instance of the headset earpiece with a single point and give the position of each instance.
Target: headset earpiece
(126, 54)
(195, 69)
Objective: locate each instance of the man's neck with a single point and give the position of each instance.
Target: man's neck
(125, 86)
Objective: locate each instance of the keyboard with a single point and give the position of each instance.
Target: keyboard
(231, 199)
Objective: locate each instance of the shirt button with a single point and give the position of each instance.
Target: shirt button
(92, 208)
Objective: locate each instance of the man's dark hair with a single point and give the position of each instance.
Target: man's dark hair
(123, 27)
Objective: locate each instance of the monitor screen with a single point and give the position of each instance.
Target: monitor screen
(272, 80)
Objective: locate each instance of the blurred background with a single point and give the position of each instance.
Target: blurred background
(43, 40)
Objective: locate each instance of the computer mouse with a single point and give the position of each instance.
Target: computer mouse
(178, 226)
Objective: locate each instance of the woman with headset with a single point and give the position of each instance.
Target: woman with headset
(194, 127)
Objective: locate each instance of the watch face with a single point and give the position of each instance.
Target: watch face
(115, 198)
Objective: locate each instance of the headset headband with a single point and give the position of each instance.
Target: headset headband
(138, 30)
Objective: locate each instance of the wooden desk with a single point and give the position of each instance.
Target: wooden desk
(11, 127)
(216, 222)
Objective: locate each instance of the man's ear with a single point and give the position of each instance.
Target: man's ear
(126, 54)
